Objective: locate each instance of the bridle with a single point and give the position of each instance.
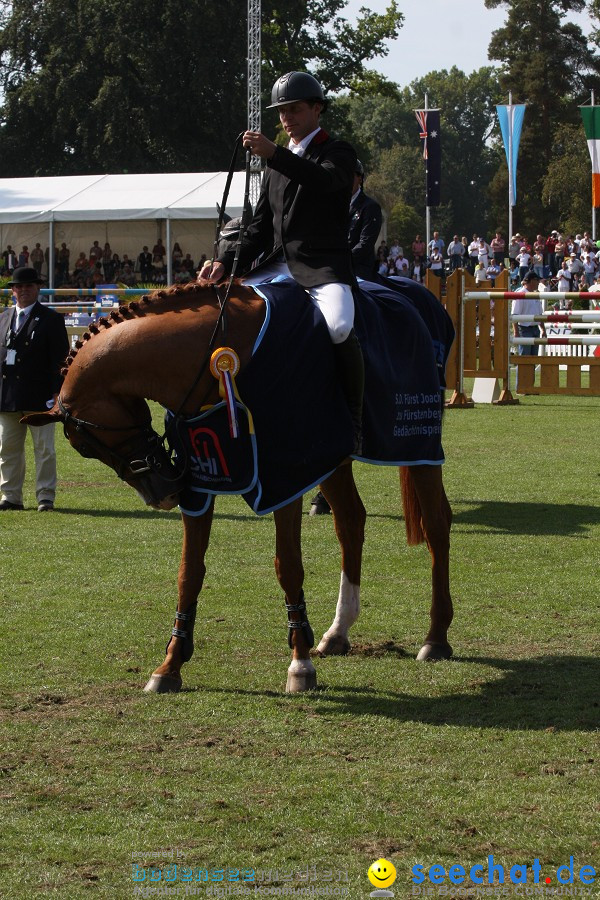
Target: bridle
(141, 457)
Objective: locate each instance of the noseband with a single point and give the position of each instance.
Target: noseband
(146, 461)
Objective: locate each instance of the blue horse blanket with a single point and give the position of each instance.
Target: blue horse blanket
(299, 428)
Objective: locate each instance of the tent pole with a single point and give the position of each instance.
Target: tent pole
(169, 254)
(51, 260)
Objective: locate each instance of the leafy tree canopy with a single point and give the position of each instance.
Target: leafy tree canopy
(126, 85)
(549, 64)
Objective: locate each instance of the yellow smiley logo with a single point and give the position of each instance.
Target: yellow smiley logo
(382, 873)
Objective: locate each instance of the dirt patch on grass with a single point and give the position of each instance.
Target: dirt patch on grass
(378, 648)
(380, 849)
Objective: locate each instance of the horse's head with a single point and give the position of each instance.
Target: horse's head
(124, 440)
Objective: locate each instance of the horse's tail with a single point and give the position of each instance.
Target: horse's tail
(412, 508)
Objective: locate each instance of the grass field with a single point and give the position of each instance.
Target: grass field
(493, 753)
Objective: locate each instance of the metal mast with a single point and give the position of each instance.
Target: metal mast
(254, 10)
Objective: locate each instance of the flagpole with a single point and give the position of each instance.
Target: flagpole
(427, 213)
(510, 166)
(593, 207)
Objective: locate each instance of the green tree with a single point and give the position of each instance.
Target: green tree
(468, 118)
(547, 63)
(405, 223)
(385, 132)
(568, 181)
(101, 85)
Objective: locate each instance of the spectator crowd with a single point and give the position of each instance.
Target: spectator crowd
(103, 265)
(564, 263)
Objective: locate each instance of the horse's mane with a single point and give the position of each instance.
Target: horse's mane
(178, 297)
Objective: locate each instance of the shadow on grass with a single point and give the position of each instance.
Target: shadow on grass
(550, 693)
(506, 517)
(546, 693)
(146, 514)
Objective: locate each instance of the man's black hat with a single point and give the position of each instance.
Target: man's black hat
(295, 86)
(530, 276)
(26, 275)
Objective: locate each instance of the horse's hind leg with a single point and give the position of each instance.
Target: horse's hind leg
(436, 518)
(290, 574)
(196, 534)
(349, 517)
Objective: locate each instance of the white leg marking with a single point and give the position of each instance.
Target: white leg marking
(346, 613)
(348, 606)
(301, 667)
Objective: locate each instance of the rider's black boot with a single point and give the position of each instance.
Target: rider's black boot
(351, 373)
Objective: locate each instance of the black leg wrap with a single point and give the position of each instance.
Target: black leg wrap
(299, 607)
(186, 633)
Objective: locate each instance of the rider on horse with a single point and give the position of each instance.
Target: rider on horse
(301, 223)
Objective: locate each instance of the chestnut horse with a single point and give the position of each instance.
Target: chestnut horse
(151, 351)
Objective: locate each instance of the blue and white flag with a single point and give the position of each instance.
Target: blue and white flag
(511, 123)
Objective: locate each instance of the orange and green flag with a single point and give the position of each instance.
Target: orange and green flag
(591, 124)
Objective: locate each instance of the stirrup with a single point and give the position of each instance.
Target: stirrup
(303, 623)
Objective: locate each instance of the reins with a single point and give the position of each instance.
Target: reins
(221, 319)
(82, 425)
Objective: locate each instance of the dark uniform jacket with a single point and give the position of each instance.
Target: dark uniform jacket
(365, 225)
(41, 348)
(302, 212)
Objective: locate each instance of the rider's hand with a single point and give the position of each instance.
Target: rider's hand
(211, 273)
(258, 144)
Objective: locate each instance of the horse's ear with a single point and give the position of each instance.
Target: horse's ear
(43, 418)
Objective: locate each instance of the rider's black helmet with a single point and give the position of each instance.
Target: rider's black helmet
(359, 168)
(296, 86)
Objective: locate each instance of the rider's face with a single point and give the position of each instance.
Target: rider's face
(299, 118)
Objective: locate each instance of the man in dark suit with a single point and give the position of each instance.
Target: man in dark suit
(145, 264)
(301, 222)
(33, 346)
(365, 225)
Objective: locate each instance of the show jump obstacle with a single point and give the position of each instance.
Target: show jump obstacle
(482, 349)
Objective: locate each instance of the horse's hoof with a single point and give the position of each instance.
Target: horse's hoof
(301, 677)
(434, 652)
(333, 646)
(163, 684)
(296, 684)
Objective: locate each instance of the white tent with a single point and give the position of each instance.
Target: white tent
(127, 211)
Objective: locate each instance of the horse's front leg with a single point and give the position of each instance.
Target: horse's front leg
(290, 574)
(349, 518)
(436, 518)
(196, 534)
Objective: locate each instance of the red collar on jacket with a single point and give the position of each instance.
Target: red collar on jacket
(320, 137)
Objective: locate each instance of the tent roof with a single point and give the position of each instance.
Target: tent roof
(89, 198)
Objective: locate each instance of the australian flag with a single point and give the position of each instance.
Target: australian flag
(429, 123)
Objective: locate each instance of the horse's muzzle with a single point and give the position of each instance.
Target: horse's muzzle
(156, 478)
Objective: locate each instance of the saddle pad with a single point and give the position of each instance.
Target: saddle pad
(402, 412)
(303, 429)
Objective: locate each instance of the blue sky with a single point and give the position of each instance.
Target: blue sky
(437, 34)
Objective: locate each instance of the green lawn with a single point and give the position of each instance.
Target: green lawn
(493, 753)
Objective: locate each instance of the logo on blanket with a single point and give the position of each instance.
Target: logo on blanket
(218, 462)
(207, 454)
